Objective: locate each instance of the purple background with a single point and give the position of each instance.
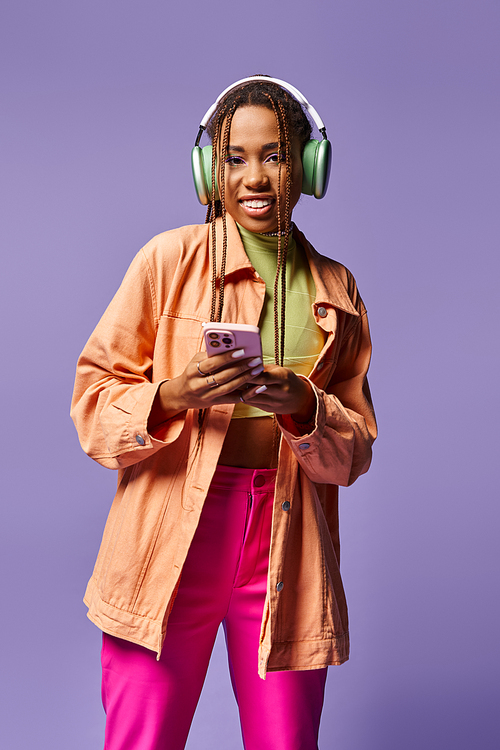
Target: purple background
(99, 109)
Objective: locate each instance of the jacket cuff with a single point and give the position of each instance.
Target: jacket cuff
(304, 438)
(125, 425)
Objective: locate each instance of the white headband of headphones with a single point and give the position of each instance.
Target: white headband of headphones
(284, 85)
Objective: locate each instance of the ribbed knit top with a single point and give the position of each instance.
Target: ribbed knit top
(304, 339)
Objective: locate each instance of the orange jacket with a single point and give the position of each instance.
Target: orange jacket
(148, 334)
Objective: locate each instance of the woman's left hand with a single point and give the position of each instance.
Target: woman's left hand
(285, 393)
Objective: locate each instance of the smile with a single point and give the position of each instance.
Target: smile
(256, 203)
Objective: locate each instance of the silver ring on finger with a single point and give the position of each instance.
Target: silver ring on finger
(242, 400)
(212, 383)
(203, 374)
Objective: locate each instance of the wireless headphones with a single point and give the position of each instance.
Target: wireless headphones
(316, 157)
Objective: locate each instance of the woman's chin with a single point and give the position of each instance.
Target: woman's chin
(257, 224)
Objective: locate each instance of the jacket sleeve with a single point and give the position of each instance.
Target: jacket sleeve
(113, 392)
(338, 447)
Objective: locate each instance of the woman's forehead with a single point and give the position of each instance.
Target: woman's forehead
(254, 126)
(251, 120)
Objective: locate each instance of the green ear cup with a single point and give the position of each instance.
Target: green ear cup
(309, 166)
(201, 164)
(316, 164)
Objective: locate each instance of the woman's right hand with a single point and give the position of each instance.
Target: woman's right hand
(205, 382)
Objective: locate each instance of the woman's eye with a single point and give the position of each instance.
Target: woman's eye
(274, 158)
(234, 161)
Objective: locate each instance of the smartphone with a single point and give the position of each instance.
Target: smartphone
(222, 337)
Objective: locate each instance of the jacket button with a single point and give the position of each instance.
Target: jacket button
(279, 586)
(259, 481)
(322, 312)
(304, 446)
(139, 439)
(285, 505)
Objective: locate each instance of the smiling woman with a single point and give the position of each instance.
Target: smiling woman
(229, 465)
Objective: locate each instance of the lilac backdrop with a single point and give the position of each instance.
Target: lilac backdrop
(99, 109)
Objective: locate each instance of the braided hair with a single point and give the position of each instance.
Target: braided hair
(291, 121)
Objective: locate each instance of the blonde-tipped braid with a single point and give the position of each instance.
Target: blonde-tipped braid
(279, 324)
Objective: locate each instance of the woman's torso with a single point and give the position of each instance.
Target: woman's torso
(250, 444)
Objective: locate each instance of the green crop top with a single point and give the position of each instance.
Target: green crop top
(304, 339)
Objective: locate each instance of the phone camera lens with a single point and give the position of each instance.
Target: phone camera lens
(215, 343)
(226, 340)
(213, 335)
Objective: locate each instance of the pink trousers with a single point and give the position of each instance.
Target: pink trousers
(150, 704)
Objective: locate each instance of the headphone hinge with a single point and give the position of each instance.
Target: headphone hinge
(198, 137)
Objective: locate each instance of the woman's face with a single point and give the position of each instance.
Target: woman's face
(252, 170)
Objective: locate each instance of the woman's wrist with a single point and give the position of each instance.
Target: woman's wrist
(307, 412)
(164, 405)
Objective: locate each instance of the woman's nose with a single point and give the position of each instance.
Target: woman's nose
(256, 175)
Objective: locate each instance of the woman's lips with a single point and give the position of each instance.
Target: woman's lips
(256, 206)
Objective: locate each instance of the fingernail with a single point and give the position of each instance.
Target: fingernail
(255, 361)
(261, 389)
(238, 353)
(257, 371)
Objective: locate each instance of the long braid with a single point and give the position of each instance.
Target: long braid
(224, 150)
(287, 228)
(211, 217)
(277, 357)
(280, 267)
(279, 325)
(214, 215)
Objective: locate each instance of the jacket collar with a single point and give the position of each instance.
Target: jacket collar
(330, 291)
(236, 255)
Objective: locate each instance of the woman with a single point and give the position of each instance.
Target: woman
(226, 508)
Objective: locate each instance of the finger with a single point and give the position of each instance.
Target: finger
(252, 393)
(230, 380)
(207, 365)
(261, 378)
(249, 368)
(216, 388)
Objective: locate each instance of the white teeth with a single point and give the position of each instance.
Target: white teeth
(256, 203)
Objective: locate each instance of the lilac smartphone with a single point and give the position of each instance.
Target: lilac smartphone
(222, 337)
